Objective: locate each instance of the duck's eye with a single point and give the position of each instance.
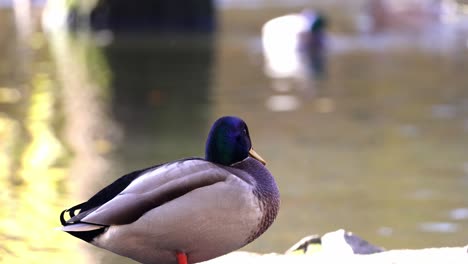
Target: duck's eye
(244, 131)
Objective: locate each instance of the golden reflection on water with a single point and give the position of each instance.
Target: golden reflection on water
(31, 180)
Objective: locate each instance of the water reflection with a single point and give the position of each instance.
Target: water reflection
(9, 95)
(459, 214)
(32, 157)
(440, 227)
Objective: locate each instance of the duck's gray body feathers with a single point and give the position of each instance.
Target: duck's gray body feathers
(192, 206)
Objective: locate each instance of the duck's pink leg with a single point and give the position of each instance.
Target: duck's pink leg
(181, 258)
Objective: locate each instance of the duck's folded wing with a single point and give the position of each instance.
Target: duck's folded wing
(79, 211)
(128, 206)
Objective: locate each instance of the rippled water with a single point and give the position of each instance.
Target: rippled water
(378, 146)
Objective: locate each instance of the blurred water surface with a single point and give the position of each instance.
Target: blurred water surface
(378, 146)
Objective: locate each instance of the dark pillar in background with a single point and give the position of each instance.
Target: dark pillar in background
(154, 15)
(161, 90)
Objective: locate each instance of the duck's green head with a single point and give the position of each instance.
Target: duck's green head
(229, 142)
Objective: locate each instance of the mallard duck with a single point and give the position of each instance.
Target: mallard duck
(184, 211)
(294, 44)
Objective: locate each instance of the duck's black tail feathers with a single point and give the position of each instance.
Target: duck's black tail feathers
(80, 229)
(71, 213)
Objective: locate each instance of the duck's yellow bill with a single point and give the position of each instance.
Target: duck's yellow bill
(255, 155)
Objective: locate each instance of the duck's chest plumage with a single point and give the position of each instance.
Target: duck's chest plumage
(233, 206)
